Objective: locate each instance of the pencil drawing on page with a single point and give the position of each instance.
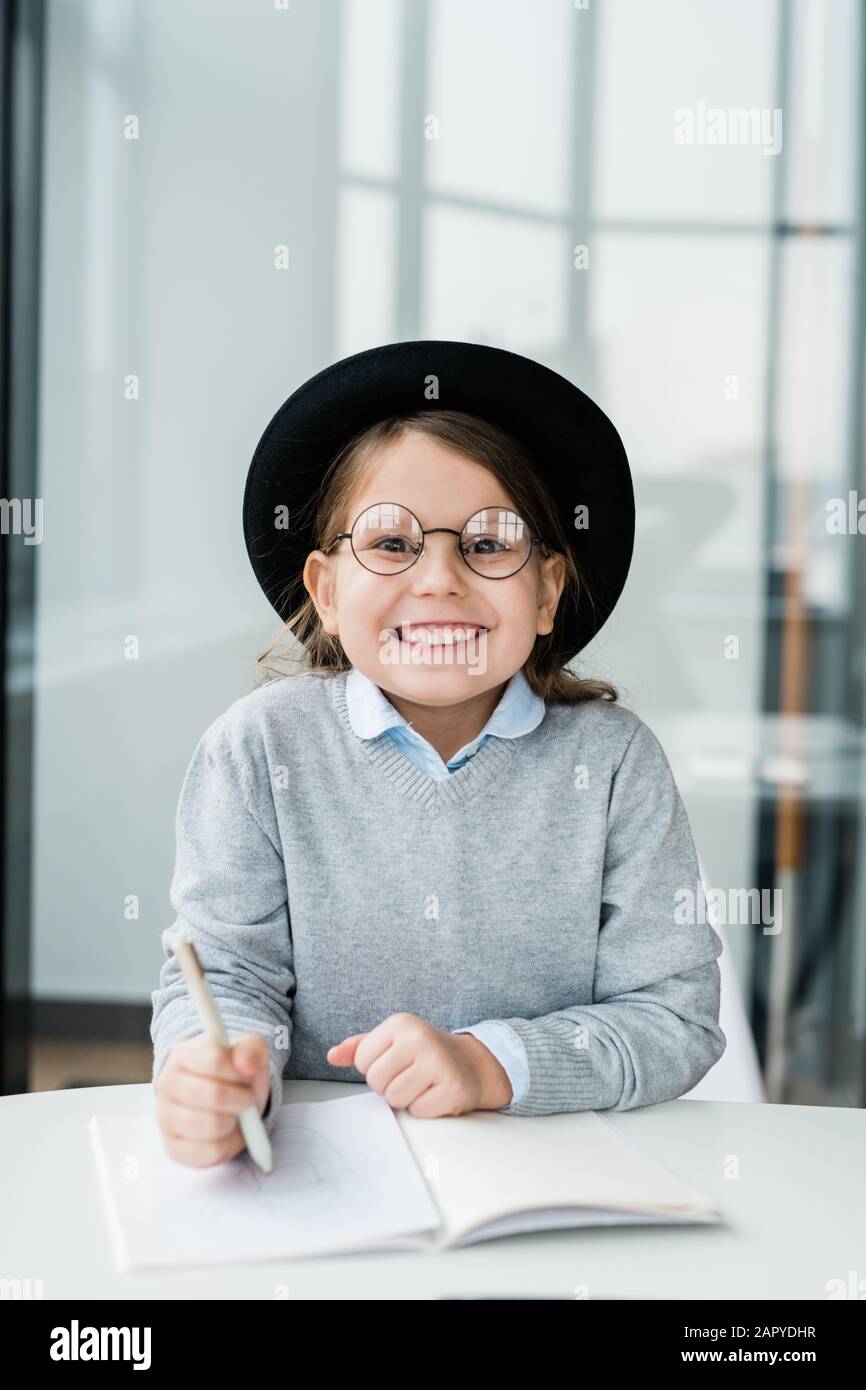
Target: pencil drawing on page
(305, 1161)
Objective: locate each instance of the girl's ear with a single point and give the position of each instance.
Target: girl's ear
(320, 584)
(550, 587)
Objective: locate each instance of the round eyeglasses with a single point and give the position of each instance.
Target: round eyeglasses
(387, 539)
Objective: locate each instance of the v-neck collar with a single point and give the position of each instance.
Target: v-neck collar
(493, 756)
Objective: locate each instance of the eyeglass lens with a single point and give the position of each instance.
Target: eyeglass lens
(387, 538)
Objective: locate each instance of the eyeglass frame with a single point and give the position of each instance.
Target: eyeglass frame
(347, 536)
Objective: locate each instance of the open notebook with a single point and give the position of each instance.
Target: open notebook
(353, 1174)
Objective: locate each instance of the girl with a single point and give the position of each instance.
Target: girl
(435, 860)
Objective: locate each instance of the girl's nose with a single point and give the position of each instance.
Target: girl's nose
(440, 562)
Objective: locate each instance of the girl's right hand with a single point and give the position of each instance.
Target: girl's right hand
(201, 1090)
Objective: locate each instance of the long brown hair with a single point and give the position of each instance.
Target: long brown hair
(506, 458)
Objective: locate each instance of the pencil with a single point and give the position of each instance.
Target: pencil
(251, 1123)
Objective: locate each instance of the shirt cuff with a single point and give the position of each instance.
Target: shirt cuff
(508, 1050)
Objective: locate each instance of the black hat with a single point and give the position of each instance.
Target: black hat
(574, 446)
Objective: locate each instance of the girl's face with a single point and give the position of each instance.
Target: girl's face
(367, 611)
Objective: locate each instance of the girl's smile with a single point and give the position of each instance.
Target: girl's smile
(432, 632)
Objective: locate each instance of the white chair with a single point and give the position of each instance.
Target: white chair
(737, 1073)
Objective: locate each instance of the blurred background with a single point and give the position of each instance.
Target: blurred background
(207, 201)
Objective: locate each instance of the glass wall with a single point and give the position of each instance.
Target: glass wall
(663, 202)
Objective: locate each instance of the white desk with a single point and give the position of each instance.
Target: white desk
(795, 1216)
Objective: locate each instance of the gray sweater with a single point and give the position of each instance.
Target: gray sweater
(551, 883)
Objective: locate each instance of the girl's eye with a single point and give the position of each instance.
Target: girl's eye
(393, 545)
(486, 541)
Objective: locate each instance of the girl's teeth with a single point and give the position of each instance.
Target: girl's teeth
(445, 636)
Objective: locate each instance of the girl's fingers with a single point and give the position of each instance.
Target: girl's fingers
(392, 1061)
(183, 1122)
(403, 1087)
(427, 1105)
(198, 1153)
(343, 1053)
(204, 1056)
(208, 1093)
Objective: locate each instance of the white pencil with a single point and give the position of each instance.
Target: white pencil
(251, 1123)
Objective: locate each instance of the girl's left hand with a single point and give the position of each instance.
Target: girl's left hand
(424, 1070)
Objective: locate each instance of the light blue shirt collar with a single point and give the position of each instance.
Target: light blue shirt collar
(518, 712)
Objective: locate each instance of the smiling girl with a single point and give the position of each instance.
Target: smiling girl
(435, 860)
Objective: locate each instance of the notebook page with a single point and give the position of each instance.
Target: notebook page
(343, 1178)
(567, 1218)
(484, 1166)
